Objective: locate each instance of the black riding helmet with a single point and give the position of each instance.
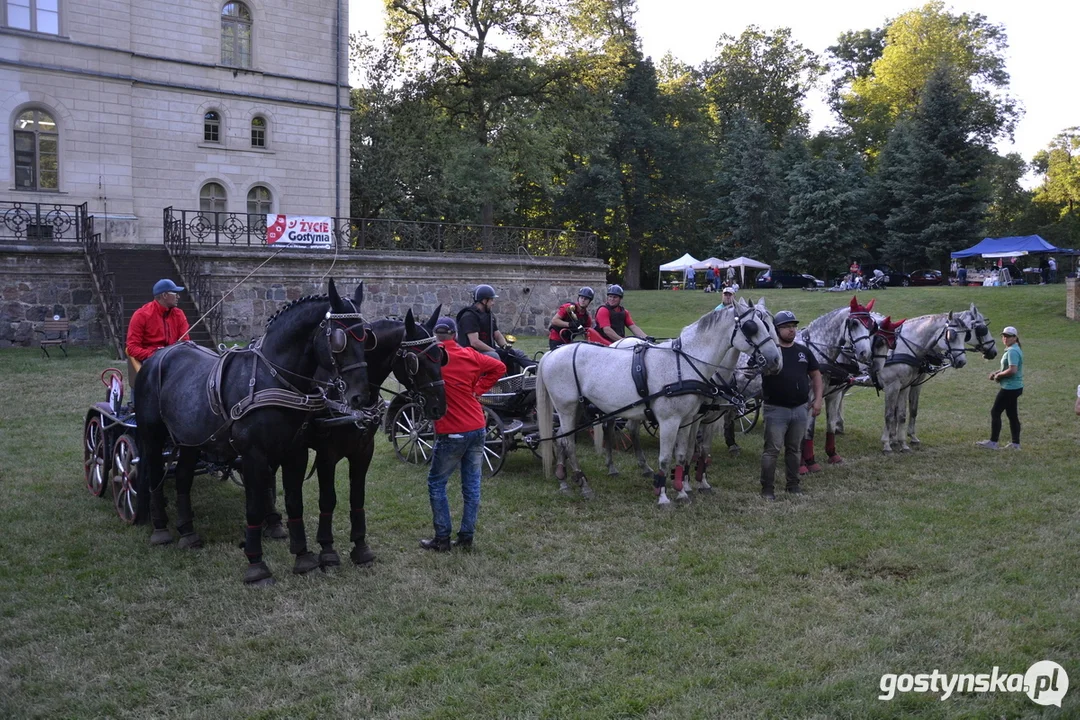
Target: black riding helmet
(484, 292)
(615, 290)
(586, 292)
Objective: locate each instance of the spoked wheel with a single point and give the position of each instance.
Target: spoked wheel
(413, 434)
(123, 476)
(749, 419)
(621, 436)
(494, 446)
(95, 460)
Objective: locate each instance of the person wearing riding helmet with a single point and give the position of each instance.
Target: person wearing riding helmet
(480, 330)
(613, 320)
(572, 319)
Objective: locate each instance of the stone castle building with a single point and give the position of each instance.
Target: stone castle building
(132, 106)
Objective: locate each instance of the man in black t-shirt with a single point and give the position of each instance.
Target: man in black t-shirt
(786, 395)
(478, 329)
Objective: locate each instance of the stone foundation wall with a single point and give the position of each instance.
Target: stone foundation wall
(529, 289)
(37, 283)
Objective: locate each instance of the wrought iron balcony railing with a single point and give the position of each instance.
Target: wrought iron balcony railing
(26, 222)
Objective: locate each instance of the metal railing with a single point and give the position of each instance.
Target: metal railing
(26, 222)
(237, 229)
(111, 303)
(178, 242)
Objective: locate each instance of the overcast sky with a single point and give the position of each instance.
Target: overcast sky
(1041, 58)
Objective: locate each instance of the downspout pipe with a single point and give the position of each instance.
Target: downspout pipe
(337, 114)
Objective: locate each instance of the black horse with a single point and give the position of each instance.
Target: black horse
(409, 351)
(251, 402)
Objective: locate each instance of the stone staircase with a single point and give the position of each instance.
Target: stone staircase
(135, 269)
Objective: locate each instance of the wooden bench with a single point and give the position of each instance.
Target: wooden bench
(54, 333)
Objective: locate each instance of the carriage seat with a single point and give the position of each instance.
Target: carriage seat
(54, 333)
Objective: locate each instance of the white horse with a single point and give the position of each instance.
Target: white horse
(841, 341)
(920, 342)
(977, 337)
(676, 371)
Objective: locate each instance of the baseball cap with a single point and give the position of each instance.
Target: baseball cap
(729, 291)
(784, 317)
(446, 325)
(1009, 330)
(166, 285)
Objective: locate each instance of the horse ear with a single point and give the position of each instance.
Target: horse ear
(950, 315)
(854, 304)
(358, 296)
(974, 310)
(432, 319)
(335, 299)
(410, 322)
(870, 305)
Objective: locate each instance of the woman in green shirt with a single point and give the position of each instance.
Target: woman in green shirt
(1011, 380)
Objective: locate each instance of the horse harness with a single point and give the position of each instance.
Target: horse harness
(929, 362)
(841, 373)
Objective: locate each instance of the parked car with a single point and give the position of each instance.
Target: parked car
(780, 279)
(896, 278)
(819, 283)
(927, 277)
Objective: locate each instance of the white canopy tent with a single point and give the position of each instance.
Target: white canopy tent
(711, 262)
(680, 265)
(742, 263)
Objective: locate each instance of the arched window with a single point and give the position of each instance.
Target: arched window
(212, 198)
(37, 147)
(259, 201)
(258, 132)
(211, 131)
(236, 35)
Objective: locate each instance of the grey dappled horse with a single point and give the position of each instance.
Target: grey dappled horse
(602, 375)
(976, 336)
(936, 339)
(841, 341)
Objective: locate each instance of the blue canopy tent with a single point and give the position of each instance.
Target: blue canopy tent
(1009, 246)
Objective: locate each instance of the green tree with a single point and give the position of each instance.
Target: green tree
(1060, 166)
(1008, 211)
(915, 43)
(828, 213)
(764, 77)
(931, 175)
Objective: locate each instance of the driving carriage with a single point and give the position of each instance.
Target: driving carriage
(111, 451)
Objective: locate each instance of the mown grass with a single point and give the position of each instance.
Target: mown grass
(949, 557)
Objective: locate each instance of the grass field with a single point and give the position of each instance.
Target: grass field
(948, 558)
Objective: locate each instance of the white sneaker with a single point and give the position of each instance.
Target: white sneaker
(1012, 446)
(987, 444)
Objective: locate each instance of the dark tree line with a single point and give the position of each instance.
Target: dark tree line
(546, 113)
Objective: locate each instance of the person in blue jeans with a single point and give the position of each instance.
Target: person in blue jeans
(786, 397)
(459, 437)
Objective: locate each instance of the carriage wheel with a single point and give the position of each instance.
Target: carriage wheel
(95, 460)
(620, 436)
(123, 476)
(749, 419)
(413, 435)
(494, 446)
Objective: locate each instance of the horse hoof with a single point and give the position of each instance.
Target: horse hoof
(362, 555)
(803, 470)
(564, 489)
(613, 471)
(815, 467)
(329, 559)
(914, 441)
(258, 574)
(587, 493)
(191, 541)
(275, 531)
(905, 448)
(682, 497)
(560, 471)
(836, 460)
(161, 537)
(734, 450)
(707, 490)
(663, 501)
(305, 563)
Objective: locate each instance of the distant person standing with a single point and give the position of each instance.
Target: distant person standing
(1052, 264)
(691, 279)
(710, 279)
(1011, 381)
(961, 275)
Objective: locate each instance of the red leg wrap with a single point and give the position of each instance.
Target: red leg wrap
(679, 470)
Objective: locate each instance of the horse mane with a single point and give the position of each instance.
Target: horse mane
(709, 320)
(819, 321)
(305, 299)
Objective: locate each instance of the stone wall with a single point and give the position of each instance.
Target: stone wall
(529, 289)
(37, 283)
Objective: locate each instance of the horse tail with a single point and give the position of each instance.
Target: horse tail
(545, 419)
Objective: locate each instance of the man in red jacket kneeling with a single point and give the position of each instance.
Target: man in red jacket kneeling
(459, 437)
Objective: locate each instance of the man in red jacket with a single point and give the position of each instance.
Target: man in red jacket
(158, 323)
(459, 436)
